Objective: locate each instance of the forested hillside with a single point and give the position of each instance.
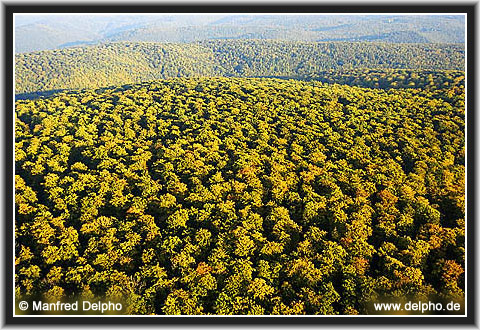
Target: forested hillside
(239, 195)
(126, 63)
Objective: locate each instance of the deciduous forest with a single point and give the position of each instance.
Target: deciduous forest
(241, 176)
(126, 63)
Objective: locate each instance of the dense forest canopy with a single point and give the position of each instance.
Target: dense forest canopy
(239, 195)
(126, 63)
(240, 164)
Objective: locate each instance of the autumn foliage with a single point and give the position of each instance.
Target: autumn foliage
(241, 195)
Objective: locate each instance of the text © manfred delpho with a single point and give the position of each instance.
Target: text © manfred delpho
(82, 306)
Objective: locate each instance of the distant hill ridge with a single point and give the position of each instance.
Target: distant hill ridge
(41, 32)
(131, 62)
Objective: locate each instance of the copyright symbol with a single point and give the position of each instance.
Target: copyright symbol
(23, 305)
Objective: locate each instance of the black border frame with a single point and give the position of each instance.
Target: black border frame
(468, 8)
